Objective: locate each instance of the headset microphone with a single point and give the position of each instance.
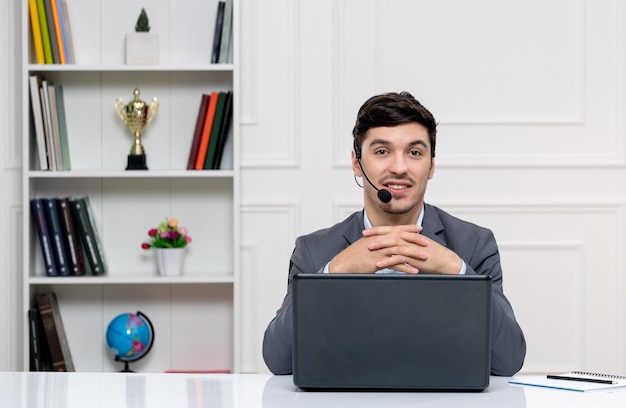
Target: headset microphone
(383, 195)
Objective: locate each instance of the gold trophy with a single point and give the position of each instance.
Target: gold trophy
(136, 116)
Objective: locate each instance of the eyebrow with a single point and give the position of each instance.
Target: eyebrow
(385, 142)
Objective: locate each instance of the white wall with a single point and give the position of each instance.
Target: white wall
(529, 96)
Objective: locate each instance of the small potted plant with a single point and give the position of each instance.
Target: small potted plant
(170, 242)
(142, 46)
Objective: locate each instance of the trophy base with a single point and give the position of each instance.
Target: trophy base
(136, 162)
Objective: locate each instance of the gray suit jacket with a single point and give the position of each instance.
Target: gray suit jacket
(475, 245)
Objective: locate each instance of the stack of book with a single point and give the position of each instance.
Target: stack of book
(67, 235)
(222, 37)
(50, 28)
(49, 348)
(212, 127)
(48, 108)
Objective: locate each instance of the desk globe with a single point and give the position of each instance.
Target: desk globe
(130, 337)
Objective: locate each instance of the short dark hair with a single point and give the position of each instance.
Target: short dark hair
(392, 109)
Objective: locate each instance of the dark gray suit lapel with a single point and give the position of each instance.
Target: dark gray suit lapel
(354, 228)
(433, 227)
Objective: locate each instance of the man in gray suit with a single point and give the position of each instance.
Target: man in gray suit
(397, 232)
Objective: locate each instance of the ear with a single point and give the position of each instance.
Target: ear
(355, 165)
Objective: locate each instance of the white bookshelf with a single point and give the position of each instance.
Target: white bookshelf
(194, 314)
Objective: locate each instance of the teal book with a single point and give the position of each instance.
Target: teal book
(88, 235)
(65, 147)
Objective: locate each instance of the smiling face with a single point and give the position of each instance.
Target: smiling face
(398, 159)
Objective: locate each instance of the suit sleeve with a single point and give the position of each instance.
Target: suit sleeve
(508, 346)
(277, 341)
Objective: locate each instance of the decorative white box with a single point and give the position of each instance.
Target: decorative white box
(142, 48)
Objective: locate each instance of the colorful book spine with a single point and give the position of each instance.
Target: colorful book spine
(36, 31)
(68, 41)
(206, 131)
(56, 17)
(197, 134)
(45, 33)
(45, 242)
(56, 236)
(52, 33)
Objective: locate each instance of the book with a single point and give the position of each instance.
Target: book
(88, 235)
(217, 36)
(47, 125)
(45, 33)
(206, 131)
(51, 33)
(63, 30)
(40, 137)
(573, 381)
(65, 148)
(56, 236)
(197, 134)
(67, 31)
(71, 238)
(36, 31)
(224, 129)
(215, 130)
(54, 126)
(38, 344)
(55, 332)
(227, 26)
(45, 243)
(57, 29)
(33, 343)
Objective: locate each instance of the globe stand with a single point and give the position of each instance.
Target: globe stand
(125, 369)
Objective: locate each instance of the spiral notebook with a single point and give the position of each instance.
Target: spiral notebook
(573, 381)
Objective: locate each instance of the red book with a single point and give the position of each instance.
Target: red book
(206, 131)
(197, 135)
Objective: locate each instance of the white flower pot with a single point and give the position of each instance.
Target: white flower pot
(170, 261)
(142, 48)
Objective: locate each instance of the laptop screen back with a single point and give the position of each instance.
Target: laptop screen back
(428, 332)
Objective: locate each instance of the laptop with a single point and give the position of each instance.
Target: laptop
(404, 332)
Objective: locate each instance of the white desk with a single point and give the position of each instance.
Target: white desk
(121, 390)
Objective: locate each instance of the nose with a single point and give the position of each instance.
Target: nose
(398, 165)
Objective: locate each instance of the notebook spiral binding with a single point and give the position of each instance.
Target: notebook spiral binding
(616, 377)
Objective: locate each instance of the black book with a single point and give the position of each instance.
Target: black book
(39, 353)
(217, 36)
(56, 236)
(45, 242)
(224, 129)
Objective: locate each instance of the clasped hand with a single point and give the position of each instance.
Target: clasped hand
(399, 247)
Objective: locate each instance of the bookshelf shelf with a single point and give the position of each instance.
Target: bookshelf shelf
(130, 68)
(126, 204)
(96, 174)
(130, 279)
